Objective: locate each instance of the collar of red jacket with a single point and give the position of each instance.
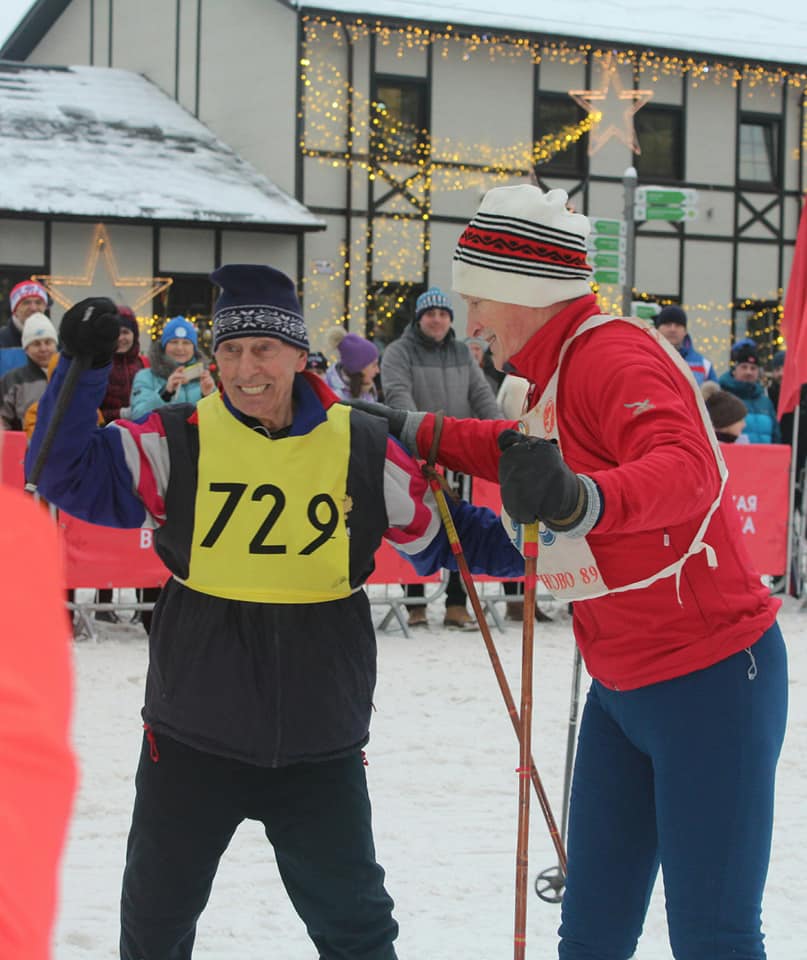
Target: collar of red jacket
(537, 359)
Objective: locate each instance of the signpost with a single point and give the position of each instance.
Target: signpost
(644, 309)
(673, 205)
(607, 247)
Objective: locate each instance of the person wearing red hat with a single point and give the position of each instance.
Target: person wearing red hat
(26, 298)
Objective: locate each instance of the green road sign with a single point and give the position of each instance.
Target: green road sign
(666, 197)
(645, 311)
(602, 226)
(609, 276)
(612, 260)
(606, 243)
(666, 213)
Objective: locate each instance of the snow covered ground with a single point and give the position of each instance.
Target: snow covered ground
(442, 759)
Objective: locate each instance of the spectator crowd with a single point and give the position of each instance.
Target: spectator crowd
(428, 368)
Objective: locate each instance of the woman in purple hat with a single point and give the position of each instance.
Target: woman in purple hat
(353, 375)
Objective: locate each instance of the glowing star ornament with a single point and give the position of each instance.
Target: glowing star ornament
(147, 287)
(614, 106)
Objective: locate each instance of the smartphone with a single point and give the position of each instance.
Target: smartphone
(193, 372)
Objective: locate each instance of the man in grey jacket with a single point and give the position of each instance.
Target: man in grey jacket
(427, 368)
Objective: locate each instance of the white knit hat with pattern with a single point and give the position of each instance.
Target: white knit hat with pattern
(38, 327)
(523, 246)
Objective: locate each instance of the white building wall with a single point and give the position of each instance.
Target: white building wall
(248, 82)
(144, 40)
(245, 246)
(72, 245)
(68, 40)
(186, 88)
(22, 242)
(711, 125)
(186, 250)
(707, 294)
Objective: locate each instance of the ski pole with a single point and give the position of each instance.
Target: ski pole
(549, 883)
(462, 565)
(77, 366)
(525, 738)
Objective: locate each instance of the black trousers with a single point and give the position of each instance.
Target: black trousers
(317, 818)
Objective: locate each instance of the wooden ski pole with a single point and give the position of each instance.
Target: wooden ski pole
(525, 739)
(462, 565)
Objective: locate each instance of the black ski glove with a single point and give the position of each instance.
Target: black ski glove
(403, 424)
(89, 331)
(537, 485)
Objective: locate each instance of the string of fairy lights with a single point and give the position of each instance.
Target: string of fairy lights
(344, 128)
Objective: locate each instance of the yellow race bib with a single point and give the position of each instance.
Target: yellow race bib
(270, 521)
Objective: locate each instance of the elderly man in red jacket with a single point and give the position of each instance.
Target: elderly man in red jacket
(686, 712)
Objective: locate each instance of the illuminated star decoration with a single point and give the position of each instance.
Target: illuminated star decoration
(148, 287)
(612, 100)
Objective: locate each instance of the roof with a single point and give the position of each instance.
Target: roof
(96, 142)
(771, 32)
(774, 31)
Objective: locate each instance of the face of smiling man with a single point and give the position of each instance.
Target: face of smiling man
(506, 327)
(257, 374)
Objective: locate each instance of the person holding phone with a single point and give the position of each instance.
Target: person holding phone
(177, 373)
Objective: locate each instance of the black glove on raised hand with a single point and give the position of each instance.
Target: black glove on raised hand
(403, 424)
(537, 485)
(89, 331)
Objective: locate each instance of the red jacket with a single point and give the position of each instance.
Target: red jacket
(37, 769)
(121, 377)
(658, 477)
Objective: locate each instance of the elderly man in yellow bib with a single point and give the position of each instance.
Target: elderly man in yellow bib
(269, 500)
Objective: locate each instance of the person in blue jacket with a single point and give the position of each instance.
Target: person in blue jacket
(743, 380)
(176, 374)
(269, 499)
(671, 323)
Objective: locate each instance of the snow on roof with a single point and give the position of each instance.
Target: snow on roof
(774, 31)
(91, 141)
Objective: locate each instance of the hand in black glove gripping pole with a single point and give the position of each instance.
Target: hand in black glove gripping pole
(89, 331)
(536, 483)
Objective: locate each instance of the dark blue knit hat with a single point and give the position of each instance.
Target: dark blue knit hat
(745, 351)
(432, 299)
(257, 301)
(672, 313)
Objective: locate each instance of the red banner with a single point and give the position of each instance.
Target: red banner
(794, 324)
(758, 484)
(105, 557)
(390, 567)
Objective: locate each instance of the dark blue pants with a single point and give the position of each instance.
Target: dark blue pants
(680, 774)
(317, 818)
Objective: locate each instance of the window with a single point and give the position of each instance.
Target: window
(192, 296)
(399, 119)
(758, 157)
(660, 133)
(759, 320)
(553, 112)
(390, 309)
